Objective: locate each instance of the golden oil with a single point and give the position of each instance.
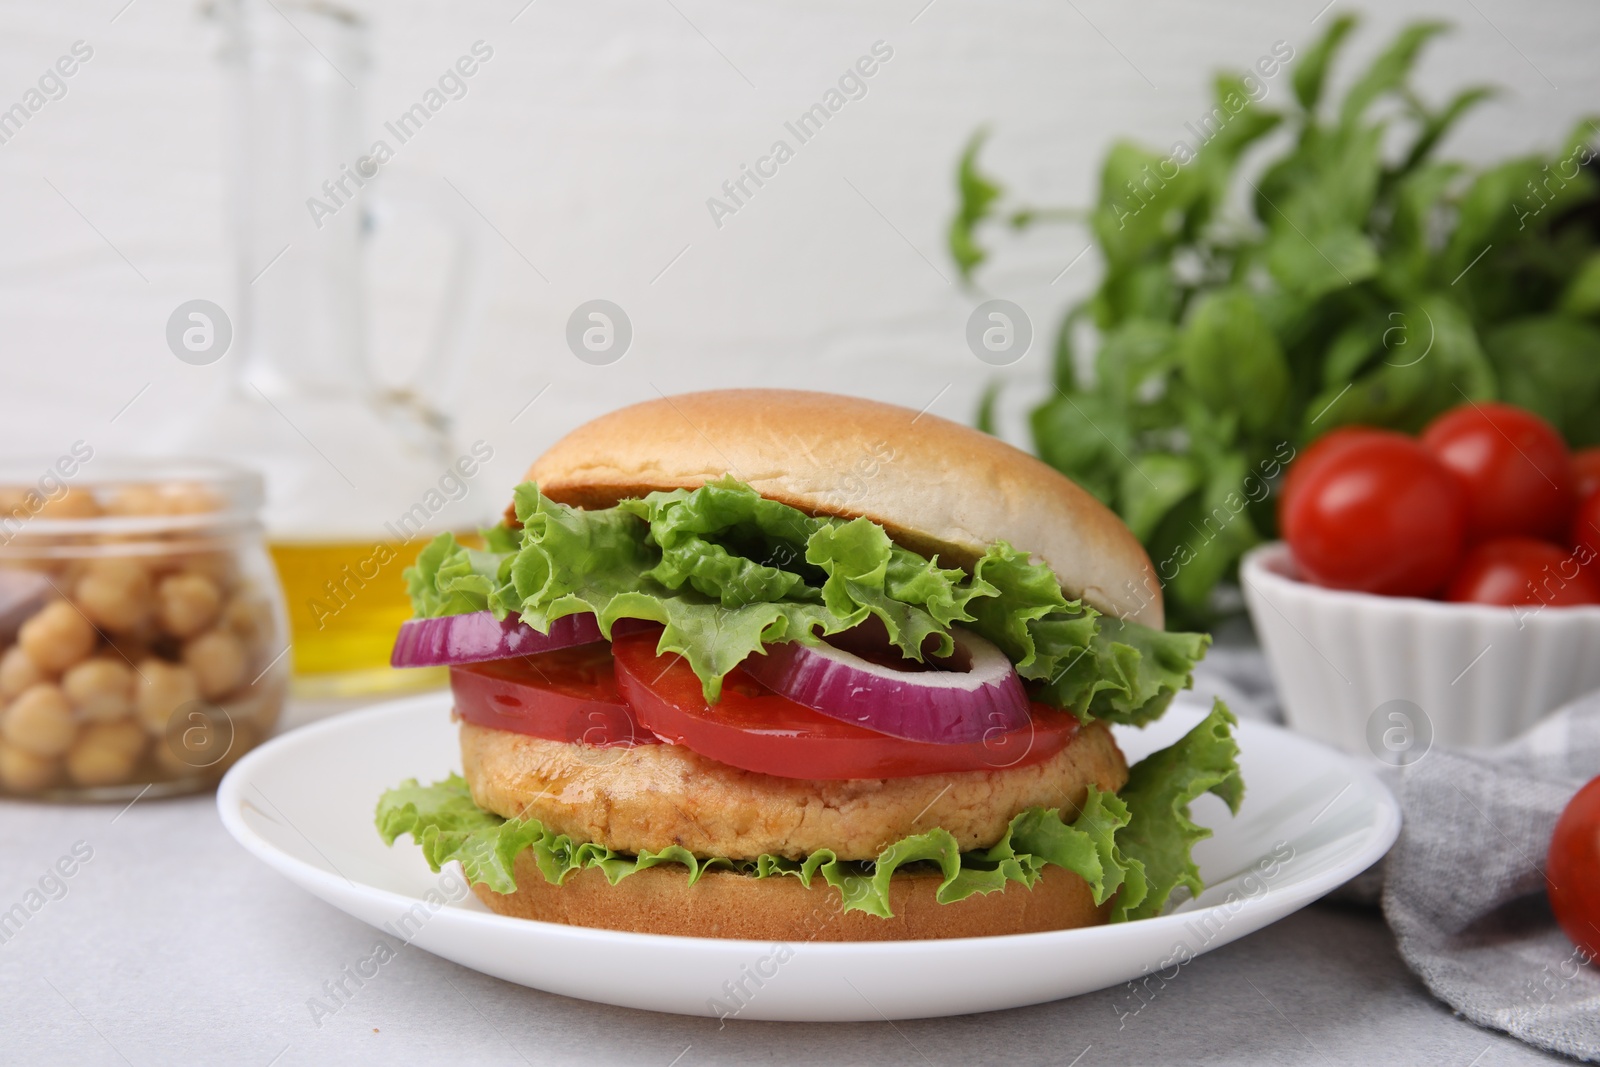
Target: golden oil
(346, 602)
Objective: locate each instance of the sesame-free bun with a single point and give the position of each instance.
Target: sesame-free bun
(937, 487)
(660, 900)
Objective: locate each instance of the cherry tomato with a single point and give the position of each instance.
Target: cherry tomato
(755, 729)
(1318, 453)
(1514, 571)
(567, 695)
(1572, 873)
(1586, 472)
(1514, 466)
(1374, 511)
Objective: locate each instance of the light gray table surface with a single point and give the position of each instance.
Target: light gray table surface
(172, 945)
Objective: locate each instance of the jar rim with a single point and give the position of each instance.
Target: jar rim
(237, 490)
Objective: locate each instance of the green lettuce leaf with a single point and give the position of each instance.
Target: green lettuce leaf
(1026, 612)
(1128, 673)
(448, 826)
(451, 579)
(1134, 845)
(444, 821)
(1160, 834)
(717, 607)
(726, 571)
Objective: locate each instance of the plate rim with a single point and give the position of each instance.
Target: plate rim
(301, 872)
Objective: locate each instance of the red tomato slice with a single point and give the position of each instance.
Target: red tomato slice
(567, 695)
(755, 729)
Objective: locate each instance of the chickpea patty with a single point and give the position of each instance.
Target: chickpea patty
(658, 795)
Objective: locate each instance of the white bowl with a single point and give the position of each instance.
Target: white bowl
(1391, 675)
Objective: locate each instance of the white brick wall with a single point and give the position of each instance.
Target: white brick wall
(593, 140)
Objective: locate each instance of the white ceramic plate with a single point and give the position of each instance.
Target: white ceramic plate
(303, 803)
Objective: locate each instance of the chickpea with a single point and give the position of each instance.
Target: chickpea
(125, 734)
(57, 637)
(73, 504)
(120, 570)
(90, 765)
(40, 721)
(106, 753)
(163, 688)
(187, 603)
(116, 594)
(217, 659)
(188, 498)
(17, 672)
(68, 571)
(220, 567)
(22, 771)
(136, 500)
(173, 761)
(249, 617)
(100, 688)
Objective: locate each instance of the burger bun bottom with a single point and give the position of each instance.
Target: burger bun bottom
(726, 904)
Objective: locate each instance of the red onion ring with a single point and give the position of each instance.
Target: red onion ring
(983, 698)
(477, 637)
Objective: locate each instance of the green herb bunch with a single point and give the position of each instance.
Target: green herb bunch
(1345, 275)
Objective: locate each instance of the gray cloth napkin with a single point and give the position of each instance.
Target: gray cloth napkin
(1463, 888)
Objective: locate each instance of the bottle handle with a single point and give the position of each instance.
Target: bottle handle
(430, 396)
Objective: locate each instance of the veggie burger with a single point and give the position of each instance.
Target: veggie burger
(791, 666)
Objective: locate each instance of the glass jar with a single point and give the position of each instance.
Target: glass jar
(143, 646)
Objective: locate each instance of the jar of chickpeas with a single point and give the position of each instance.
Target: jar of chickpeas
(142, 630)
